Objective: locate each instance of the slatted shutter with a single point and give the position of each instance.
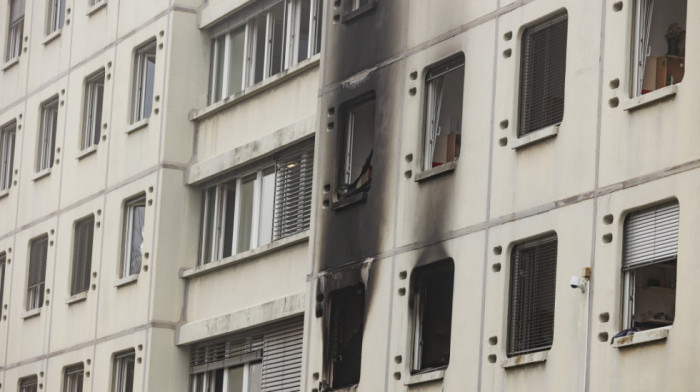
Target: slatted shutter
(651, 236)
(532, 294)
(16, 10)
(82, 255)
(293, 183)
(282, 356)
(37, 272)
(543, 71)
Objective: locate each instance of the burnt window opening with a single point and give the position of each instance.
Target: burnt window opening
(345, 336)
(649, 267)
(542, 74)
(357, 146)
(658, 44)
(443, 112)
(432, 291)
(532, 296)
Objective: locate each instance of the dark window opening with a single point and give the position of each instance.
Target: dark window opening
(345, 336)
(357, 146)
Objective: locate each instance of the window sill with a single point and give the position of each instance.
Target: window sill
(96, 7)
(642, 337)
(653, 97)
(536, 137)
(31, 313)
(359, 197)
(51, 37)
(448, 167)
(76, 298)
(137, 125)
(41, 174)
(10, 63)
(352, 15)
(260, 87)
(86, 152)
(245, 256)
(420, 378)
(127, 280)
(4, 193)
(526, 359)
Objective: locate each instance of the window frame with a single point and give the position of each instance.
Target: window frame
(206, 377)
(73, 378)
(35, 292)
(28, 384)
(3, 266)
(56, 16)
(130, 205)
(120, 365)
(93, 106)
(15, 32)
(347, 187)
(81, 267)
(46, 141)
(142, 96)
(8, 136)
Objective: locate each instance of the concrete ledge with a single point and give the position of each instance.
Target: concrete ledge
(52, 37)
(526, 359)
(137, 125)
(96, 7)
(261, 148)
(647, 99)
(10, 63)
(642, 337)
(536, 136)
(213, 12)
(420, 378)
(350, 16)
(31, 313)
(448, 167)
(88, 151)
(358, 197)
(41, 174)
(247, 318)
(76, 298)
(4, 193)
(127, 280)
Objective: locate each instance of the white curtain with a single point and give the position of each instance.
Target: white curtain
(645, 9)
(432, 123)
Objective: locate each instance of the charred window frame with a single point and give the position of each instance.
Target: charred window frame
(7, 154)
(82, 255)
(649, 266)
(543, 74)
(36, 273)
(28, 384)
(444, 94)
(56, 17)
(92, 115)
(47, 134)
(144, 79)
(344, 344)
(132, 236)
(73, 378)
(15, 30)
(431, 300)
(532, 296)
(123, 371)
(356, 146)
(250, 47)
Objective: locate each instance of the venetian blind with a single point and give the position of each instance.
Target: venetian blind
(293, 184)
(651, 236)
(82, 255)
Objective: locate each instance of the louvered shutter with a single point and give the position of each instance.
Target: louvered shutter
(37, 270)
(532, 294)
(543, 71)
(293, 183)
(82, 255)
(281, 369)
(651, 236)
(16, 10)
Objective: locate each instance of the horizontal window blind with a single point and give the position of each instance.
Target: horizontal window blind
(37, 271)
(16, 10)
(532, 294)
(293, 184)
(543, 71)
(82, 255)
(651, 236)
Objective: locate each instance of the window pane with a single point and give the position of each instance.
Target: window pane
(137, 226)
(260, 45)
(304, 27)
(434, 303)
(237, 59)
(230, 209)
(319, 26)
(277, 38)
(245, 213)
(255, 377)
(219, 53)
(235, 379)
(150, 67)
(359, 145)
(267, 200)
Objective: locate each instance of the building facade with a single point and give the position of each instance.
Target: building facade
(309, 195)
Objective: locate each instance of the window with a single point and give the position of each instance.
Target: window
(263, 359)
(123, 372)
(47, 134)
(649, 267)
(38, 249)
(532, 291)
(144, 74)
(16, 30)
(7, 155)
(57, 11)
(357, 146)
(82, 255)
(344, 345)
(354, 5)
(3, 262)
(135, 214)
(73, 378)
(658, 44)
(28, 384)
(245, 50)
(95, 2)
(92, 117)
(431, 302)
(253, 209)
(542, 77)
(443, 112)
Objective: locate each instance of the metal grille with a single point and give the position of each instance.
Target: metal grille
(651, 236)
(37, 272)
(82, 255)
(532, 292)
(293, 182)
(543, 70)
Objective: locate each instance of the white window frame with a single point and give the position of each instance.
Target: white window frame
(35, 293)
(208, 379)
(56, 17)
(94, 104)
(28, 384)
(73, 378)
(121, 363)
(8, 135)
(129, 208)
(15, 32)
(47, 134)
(143, 55)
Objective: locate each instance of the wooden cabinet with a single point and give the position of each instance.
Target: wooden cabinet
(669, 70)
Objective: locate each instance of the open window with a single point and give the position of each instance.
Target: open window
(658, 44)
(82, 255)
(73, 378)
(56, 17)
(144, 78)
(28, 384)
(344, 345)
(649, 267)
(47, 134)
(431, 302)
(132, 236)
(123, 371)
(357, 146)
(444, 84)
(92, 115)
(7, 154)
(36, 274)
(15, 30)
